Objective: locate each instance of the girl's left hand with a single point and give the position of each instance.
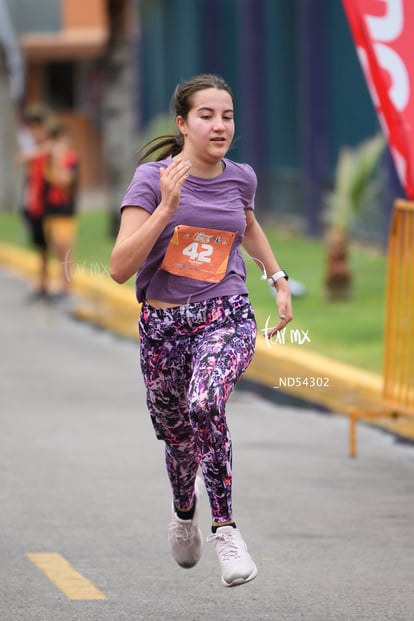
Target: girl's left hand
(284, 306)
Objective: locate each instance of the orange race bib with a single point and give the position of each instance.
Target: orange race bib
(198, 253)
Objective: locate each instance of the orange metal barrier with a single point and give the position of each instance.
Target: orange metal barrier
(398, 366)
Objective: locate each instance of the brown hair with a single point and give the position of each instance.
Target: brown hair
(181, 105)
(36, 114)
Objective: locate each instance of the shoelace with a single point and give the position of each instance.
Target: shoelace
(182, 532)
(228, 547)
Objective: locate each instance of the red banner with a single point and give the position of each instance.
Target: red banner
(383, 32)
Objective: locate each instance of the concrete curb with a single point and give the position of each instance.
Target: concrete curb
(315, 379)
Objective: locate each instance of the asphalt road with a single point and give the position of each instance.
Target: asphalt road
(82, 476)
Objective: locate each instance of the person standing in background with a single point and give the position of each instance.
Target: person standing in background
(61, 169)
(33, 153)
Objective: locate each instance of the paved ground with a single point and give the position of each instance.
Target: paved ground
(81, 474)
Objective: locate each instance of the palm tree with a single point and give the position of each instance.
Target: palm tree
(355, 186)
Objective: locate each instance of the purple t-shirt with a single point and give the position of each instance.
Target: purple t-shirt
(217, 203)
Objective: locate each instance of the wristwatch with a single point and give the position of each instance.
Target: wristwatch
(276, 276)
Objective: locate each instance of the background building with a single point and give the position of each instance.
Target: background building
(109, 68)
(62, 43)
(78, 58)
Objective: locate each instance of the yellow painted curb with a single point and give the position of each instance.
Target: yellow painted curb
(316, 379)
(102, 301)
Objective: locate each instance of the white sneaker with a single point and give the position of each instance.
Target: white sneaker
(237, 566)
(184, 536)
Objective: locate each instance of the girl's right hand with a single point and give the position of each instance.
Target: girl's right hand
(172, 180)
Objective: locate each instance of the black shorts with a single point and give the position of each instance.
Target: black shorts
(36, 232)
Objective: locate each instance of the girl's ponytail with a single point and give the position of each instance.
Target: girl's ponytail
(170, 145)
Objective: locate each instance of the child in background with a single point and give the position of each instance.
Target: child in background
(33, 140)
(61, 175)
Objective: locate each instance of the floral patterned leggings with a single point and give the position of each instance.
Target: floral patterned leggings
(192, 357)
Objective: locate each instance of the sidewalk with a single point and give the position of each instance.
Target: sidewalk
(302, 375)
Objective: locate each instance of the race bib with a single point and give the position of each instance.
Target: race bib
(198, 253)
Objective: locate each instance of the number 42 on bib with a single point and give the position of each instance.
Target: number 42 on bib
(198, 253)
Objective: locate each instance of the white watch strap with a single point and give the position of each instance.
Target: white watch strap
(276, 276)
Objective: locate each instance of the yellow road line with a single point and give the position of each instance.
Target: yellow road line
(65, 577)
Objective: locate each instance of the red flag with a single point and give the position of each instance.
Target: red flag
(383, 32)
